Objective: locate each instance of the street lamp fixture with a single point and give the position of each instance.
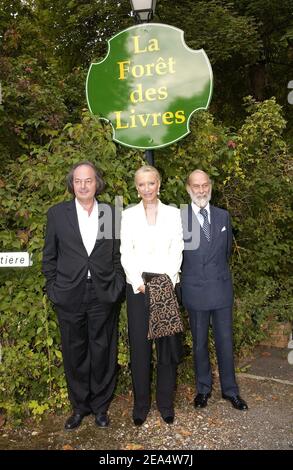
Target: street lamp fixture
(143, 10)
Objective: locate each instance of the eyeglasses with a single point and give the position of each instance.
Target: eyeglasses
(87, 181)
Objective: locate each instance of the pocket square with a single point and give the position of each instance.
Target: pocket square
(223, 229)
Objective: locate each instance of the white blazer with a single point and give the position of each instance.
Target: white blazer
(151, 248)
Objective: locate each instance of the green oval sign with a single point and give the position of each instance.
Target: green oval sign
(149, 85)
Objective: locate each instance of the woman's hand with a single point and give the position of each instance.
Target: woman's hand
(141, 289)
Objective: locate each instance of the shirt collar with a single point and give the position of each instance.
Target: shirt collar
(196, 209)
(81, 210)
(142, 206)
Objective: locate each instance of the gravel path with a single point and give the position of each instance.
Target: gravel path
(268, 424)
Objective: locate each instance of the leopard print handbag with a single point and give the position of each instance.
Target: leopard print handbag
(163, 307)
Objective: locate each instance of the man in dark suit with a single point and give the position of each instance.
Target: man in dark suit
(85, 280)
(207, 291)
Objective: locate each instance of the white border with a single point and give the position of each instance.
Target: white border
(145, 25)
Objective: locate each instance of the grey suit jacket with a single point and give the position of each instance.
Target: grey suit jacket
(206, 281)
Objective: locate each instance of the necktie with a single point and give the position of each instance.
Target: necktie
(206, 226)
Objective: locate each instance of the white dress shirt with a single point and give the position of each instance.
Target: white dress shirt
(151, 248)
(88, 226)
(196, 210)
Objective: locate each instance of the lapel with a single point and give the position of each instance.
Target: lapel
(205, 247)
(102, 230)
(71, 214)
(193, 230)
(192, 219)
(101, 226)
(215, 227)
(141, 215)
(141, 220)
(160, 220)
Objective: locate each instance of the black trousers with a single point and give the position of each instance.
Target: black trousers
(140, 358)
(89, 349)
(223, 335)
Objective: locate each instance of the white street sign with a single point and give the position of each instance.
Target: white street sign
(16, 259)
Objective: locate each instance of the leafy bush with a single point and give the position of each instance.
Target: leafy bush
(250, 170)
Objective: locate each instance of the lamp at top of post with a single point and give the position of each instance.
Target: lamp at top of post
(143, 10)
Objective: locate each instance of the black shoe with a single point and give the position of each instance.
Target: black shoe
(237, 402)
(201, 400)
(168, 419)
(74, 421)
(138, 421)
(102, 420)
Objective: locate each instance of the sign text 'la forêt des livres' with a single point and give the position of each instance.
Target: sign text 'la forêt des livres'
(149, 85)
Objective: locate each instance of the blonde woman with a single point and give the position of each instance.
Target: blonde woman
(151, 241)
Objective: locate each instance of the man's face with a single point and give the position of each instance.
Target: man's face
(199, 189)
(84, 183)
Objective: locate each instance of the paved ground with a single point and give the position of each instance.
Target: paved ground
(270, 362)
(267, 385)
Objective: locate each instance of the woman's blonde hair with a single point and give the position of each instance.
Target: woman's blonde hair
(148, 169)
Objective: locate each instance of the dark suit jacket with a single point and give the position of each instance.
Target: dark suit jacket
(66, 262)
(206, 281)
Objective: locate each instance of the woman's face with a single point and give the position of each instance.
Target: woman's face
(148, 186)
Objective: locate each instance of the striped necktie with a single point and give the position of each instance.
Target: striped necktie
(206, 226)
